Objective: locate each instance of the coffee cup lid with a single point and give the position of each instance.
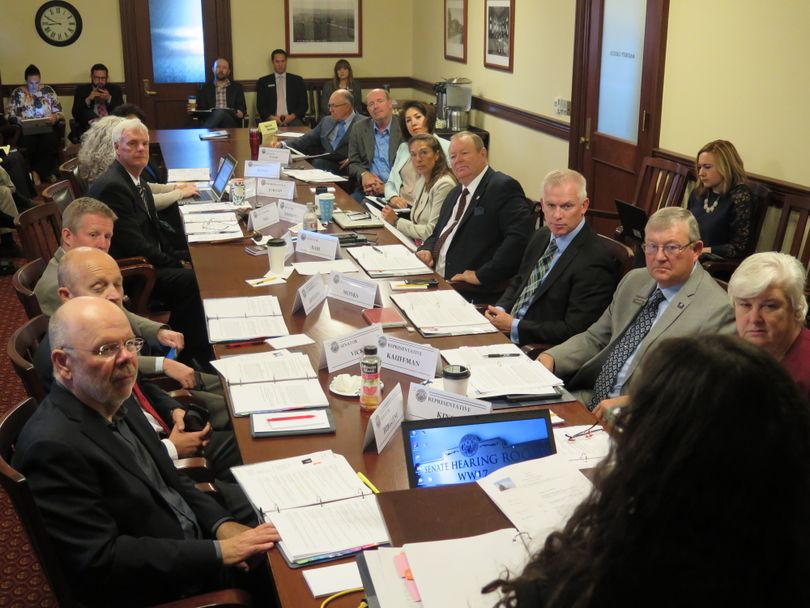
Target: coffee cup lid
(455, 372)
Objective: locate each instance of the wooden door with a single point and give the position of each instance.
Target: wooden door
(162, 97)
(611, 161)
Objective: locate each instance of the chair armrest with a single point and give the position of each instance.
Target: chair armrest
(224, 598)
(182, 396)
(534, 349)
(721, 269)
(165, 383)
(195, 468)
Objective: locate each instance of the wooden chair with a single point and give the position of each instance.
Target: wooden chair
(61, 193)
(24, 281)
(800, 244)
(40, 230)
(21, 347)
(69, 170)
(19, 492)
(139, 281)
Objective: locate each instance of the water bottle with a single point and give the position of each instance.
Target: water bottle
(370, 390)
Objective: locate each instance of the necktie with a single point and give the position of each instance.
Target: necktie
(537, 275)
(142, 194)
(281, 98)
(341, 131)
(625, 347)
(147, 407)
(462, 206)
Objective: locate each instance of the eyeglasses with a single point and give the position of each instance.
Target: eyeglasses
(106, 351)
(669, 249)
(586, 433)
(337, 105)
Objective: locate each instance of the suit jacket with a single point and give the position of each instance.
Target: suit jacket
(573, 295)
(136, 231)
(361, 146)
(84, 114)
(316, 140)
(295, 93)
(234, 97)
(114, 533)
(700, 307)
(492, 234)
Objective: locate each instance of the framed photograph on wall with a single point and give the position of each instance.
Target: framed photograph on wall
(323, 28)
(499, 34)
(455, 30)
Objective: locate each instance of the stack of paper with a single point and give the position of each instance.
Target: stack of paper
(203, 207)
(403, 238)
(388, 261)
(502, 369)
(202, 174)
(442, 313)
(318, 504)
(313, 175)
(206, 227)
(583, 446)
(244, 318)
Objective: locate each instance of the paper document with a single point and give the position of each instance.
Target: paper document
(283, 422)
(202, 174)
(403, 238)
(277, 396)
(314, 175)
(312, 268)
(246, 328)
(331, 579)
(538, 496)
(391, 589)
(273, 366)
(213, 237)
(585, 450)
(254, 306)
(289, 134)
(193, 208)
(388, 261)
(443, 312)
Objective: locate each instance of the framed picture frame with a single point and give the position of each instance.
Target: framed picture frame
(455, 30)
(323, 28)
(499, 34)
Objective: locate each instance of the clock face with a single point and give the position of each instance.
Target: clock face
(58, 23)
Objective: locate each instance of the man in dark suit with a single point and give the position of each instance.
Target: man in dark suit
(373, 146)
(566, 278)
(484, 224)
(96, 99)
(138, 232)
(288, 109)
(331, 134)
(123, 523)
(225, 99)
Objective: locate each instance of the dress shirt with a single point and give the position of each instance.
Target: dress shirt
(443, 252)
(221, 91)
(669, 295)
(346, 124)
(562, 245)
(281, 100)
(382, 139)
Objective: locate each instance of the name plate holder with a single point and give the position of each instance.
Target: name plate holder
(276, 188)
(324, 246)
(310, 294)
(291, 212)
(385, 420)
(263, 217)
(425, 403)
(275, 155)
(410, 358)
(347, 351)
(258, 168)
(354, 290)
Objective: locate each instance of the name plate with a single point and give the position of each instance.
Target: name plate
(426, 403)
(275, 155)
(291, 212)
(268, 127)
(411, 358)
(323, 246)
(386, 419)
(258, 168)
(348, 350)
(263, 217)
(360, 292)
(310, 294)
(277, 188)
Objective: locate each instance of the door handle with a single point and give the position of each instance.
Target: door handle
(146, 89)
(586, 139)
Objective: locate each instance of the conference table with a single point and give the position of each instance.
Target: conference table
(222, 270)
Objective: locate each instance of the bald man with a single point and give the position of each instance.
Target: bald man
(224, 97)
(122, 521)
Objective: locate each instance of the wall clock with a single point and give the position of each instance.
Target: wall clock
(58, 23)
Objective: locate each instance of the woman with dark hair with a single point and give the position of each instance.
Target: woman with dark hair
(37, 100)
(415, 117)
(703, 499)
(343, 79)
(435, 181)
(721, 202)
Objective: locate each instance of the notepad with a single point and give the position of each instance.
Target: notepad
(243, 318)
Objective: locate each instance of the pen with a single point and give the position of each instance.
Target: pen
(285, 418)
(366, 481)
(499, 355)
(377, 249)
(265, 280)
(246, 343)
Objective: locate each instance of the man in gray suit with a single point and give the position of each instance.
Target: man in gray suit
(373, 146)
(672, 297)
(331, 135)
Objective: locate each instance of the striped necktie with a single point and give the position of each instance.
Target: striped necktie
(537, 275)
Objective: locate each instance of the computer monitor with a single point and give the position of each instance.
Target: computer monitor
(445, 451)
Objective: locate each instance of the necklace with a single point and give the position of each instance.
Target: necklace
(709, 208)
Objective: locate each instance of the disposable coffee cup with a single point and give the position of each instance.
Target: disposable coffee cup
(192, 102)
(456, 378)
(276, 248)
(237, 191)
(326, 204)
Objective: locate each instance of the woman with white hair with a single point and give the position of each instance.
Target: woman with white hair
(96, 156)
(767, 293)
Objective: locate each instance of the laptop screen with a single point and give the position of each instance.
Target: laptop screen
(446, 451)
(223, 176)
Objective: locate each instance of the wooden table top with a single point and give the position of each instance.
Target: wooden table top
(221, 271)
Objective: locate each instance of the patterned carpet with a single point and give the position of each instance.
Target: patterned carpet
(22, 583)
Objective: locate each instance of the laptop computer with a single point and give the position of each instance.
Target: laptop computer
(35, 126)
(354, 220)
(633, 219)
(227, 165)
(445, 451)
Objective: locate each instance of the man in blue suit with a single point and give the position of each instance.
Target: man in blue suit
(331, 135)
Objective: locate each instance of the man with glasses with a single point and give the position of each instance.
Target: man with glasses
(672, 297)
(123, 523)
(566, 278)
(96, 99)
(331, 135)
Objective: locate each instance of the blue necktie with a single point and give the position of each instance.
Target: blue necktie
(341, 131)
(537, 274)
